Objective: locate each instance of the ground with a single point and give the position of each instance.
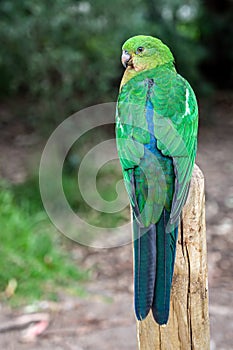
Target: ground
(105, 319)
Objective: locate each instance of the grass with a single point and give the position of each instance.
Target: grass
(35, 260)
(32, 253)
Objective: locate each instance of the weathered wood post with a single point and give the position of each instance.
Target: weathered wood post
(188, 325)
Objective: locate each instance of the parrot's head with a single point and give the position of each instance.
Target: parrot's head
(143, 52)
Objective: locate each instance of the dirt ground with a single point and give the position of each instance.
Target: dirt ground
(104, 319)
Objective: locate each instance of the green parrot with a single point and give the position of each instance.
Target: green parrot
(156, 135)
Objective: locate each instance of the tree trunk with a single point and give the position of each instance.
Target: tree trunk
(188, 325)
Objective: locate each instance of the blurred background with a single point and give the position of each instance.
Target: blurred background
(57, 58)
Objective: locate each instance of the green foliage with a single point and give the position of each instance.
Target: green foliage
(31, 250)
(65, 54)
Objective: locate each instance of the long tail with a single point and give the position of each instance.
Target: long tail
(154, 257)
(144, 268)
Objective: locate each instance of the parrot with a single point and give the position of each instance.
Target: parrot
(156, 138)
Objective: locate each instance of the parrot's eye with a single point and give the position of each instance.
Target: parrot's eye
(139, 50)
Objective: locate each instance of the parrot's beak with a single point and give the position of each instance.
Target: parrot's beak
(126, 59)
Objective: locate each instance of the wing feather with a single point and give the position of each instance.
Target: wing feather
(176, 122)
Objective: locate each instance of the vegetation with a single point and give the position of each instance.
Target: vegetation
(63, 55)
(32, 256)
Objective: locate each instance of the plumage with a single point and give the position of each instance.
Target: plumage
(156, 134)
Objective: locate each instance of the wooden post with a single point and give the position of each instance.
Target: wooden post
(188, 325)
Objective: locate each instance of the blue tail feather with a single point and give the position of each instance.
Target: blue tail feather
(166, 249)
(154, 258)
(144, 268)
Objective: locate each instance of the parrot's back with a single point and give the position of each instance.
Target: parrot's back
(154, 248)
(156, 129)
